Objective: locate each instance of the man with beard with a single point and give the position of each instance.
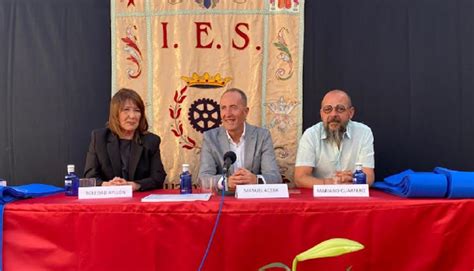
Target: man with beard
(328, 150)
(253, 146)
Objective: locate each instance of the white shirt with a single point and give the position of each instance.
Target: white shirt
(314, 150)
(239, 149)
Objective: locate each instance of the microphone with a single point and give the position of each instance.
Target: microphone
(229, 159)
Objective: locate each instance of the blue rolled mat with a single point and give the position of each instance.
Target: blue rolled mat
(410, 184)
(12, 193)
(460, 183)
(396, 179)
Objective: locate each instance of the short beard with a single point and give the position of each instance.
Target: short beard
(335, 136)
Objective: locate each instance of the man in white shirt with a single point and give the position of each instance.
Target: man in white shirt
(253, 146)
(328, 150)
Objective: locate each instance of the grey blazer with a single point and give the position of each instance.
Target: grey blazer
(259, 154)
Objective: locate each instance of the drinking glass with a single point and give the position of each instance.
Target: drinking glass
(87, 182)
(208, 183)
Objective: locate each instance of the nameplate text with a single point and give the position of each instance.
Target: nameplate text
(341, 190)
(261, 191)
(105, 192)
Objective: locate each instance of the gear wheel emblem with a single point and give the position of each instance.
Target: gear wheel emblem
(204, 114)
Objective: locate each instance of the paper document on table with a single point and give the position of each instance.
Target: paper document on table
(176, 197)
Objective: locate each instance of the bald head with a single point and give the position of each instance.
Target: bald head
(337, 94)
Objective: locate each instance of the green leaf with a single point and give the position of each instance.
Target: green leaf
(285, 49)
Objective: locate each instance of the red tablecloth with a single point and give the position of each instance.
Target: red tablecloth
(64, 233)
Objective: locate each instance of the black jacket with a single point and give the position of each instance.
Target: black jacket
(145, 168)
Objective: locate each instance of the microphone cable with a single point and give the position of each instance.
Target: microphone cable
(211, 238)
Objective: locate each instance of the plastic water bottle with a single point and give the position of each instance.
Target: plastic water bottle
(71, 181)
(359, 176)
(186, 183)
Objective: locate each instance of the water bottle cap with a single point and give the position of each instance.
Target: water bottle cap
(70, 168)
(185, 167)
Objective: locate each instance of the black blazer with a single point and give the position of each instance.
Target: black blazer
(145, 168)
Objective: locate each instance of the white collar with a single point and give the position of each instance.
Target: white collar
(241, 137)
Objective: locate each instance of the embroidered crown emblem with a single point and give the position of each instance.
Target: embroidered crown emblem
(206, 80)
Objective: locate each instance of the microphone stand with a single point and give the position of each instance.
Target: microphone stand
(225, 175)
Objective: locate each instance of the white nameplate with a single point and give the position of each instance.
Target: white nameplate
(105, 192)
(261, 191)
(341, 190)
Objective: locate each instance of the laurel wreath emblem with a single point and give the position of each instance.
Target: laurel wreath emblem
(175, 109)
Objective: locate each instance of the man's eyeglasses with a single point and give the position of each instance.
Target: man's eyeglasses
(339, 108)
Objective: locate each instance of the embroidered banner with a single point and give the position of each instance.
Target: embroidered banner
(181, 55)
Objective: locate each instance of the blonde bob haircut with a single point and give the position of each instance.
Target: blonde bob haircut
(117, 103)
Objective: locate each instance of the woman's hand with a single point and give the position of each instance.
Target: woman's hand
(121, 181)
(118, 181)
